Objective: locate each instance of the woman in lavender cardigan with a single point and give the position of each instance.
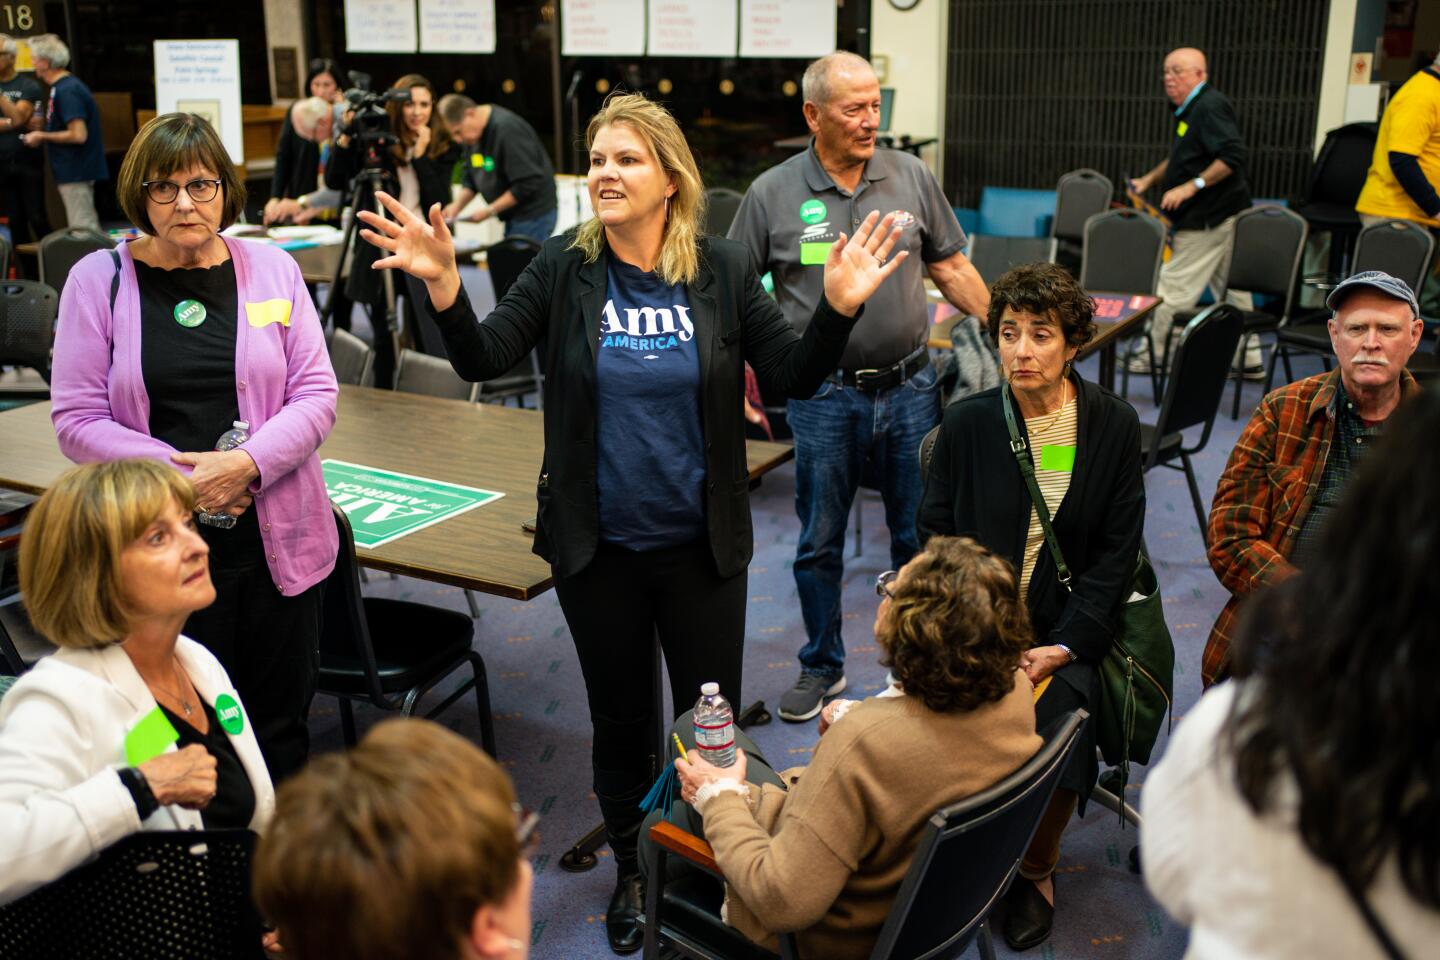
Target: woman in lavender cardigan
(195, 332)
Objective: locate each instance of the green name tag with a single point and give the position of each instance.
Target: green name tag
(149, 738)
(1057, 457)
(813, 254)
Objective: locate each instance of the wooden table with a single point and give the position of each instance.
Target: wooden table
(484, 445)
(1116, 315)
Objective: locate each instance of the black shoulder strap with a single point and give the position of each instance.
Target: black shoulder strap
(1027, 470)
(114, 281)
(1382, 936)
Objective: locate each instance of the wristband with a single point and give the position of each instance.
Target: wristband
(140, 792)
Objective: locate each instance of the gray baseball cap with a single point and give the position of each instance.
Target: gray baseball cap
(1375, 280)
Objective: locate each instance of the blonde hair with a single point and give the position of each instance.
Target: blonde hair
(679, 249)
(386, 851)
(70, 553)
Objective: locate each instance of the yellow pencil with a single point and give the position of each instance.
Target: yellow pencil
(680, 746)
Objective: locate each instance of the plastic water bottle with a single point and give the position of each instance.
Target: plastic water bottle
(715, 726)
(238, 433)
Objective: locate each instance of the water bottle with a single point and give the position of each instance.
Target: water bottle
(238, 433)
(714, 726)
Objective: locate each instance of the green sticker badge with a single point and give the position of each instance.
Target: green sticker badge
(149, 738)
(812, 211)
(227, 711)
(189, 313)
(1058, 457)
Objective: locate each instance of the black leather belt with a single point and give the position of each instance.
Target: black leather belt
(875, 380)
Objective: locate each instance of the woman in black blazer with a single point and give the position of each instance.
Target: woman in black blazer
(1084, 443)
(644, 508)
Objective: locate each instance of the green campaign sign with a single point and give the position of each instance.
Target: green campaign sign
(384, 506)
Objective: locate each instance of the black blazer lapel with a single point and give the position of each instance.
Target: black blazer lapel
(593, 285)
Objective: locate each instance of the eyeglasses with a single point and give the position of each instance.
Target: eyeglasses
(1177, 71)
(527, 837)
(166, 191)
(882, 584)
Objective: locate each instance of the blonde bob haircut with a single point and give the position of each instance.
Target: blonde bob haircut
(170, 142)
(679, 249)
(70, 553)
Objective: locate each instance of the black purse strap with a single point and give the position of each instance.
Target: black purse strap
(1382, 936)
(1027, 469)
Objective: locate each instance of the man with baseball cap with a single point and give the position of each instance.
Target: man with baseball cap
(1290, 467)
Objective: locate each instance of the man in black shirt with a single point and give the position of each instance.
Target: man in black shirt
(1203, 187)
(506, 164)
(22, 172)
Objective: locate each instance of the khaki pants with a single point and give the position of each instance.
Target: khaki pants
(79, 200)
(1199, 258)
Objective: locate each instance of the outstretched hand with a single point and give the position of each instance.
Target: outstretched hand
(857, 266)
(424, 250)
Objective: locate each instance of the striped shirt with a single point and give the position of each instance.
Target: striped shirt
(1058, 431)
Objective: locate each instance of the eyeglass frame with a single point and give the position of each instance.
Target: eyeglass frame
(527, 837)
(147, 184)
(882, 584)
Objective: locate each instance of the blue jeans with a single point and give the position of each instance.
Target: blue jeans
(836, 432)
(538, 229)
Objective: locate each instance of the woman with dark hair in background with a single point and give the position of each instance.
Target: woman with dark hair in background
(1295, 812)
(419, 163)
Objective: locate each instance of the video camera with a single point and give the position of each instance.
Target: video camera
(369, 123)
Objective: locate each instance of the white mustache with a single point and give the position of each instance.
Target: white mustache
(1377, 361)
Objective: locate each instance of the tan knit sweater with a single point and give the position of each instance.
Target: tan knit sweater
(827, 856)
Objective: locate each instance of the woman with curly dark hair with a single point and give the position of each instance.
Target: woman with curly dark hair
(1084, 445)
(1298, 805)
(823, 849)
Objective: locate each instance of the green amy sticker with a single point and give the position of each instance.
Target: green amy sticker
(812, 211)
(227, 711)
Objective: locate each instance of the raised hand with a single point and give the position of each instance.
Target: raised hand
(857, 266)
(426, 251)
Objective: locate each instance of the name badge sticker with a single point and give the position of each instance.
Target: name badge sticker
(149, 738)
(1182, 129)
(227, 711)
(266, 312)
(1057, 457)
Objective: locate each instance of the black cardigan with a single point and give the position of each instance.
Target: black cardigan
(296, 162)
(559, 298)
(974, 488)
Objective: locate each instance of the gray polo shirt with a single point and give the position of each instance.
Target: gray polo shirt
(793, 212)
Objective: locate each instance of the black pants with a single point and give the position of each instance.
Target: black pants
(22, 201)
(615, 608)
(269, 643)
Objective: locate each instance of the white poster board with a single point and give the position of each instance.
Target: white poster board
(602, 28)
(692, 28)
(380, 26)
(787, 28)
(457, 26)
(202, 76)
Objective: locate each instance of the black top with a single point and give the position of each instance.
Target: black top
(511, 157)
(297, 164)
(974, 488)
(189, 371)
(234, 802)
(561, 299)
(22, 86)
(1206, 130)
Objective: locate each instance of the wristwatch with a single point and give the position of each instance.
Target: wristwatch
(1198, 183)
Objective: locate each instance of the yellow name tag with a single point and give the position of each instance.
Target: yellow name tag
(266, 312)
(477, 159)
(1182, 129)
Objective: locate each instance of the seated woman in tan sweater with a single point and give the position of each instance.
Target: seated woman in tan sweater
(822, 849)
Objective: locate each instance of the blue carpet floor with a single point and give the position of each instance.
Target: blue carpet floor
(543, 730)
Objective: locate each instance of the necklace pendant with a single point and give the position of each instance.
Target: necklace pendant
(186, 705)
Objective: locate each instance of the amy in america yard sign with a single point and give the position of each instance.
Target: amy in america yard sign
(384, 506)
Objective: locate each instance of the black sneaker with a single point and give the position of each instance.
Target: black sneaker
(804, 700)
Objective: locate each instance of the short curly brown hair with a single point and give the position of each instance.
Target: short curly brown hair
(1045, 290)
(956, 628)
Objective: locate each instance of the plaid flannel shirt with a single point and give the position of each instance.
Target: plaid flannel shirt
(1263, 496)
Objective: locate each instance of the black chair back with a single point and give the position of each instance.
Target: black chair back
(351, 357)
(1401, 248)
(507, 260)
(166, 895)
(432, 376)
(721, 205)
(1341, 166)
(62, 249)
(1198, 374)
(993, 256)
(1269, 245)
(345, 629)
(1079, 195)
(4, 258)
(1123, 252)
(27, 324)
(968, 854)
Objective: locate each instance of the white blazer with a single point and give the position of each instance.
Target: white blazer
(62, 739)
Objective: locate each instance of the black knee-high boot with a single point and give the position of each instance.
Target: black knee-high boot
(623, 819)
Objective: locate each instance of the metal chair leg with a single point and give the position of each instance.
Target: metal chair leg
(474, 607)
(1195, 499)
(985, 942)
(482, 703)
(347, 721)
(1275, 356)
(859, 522)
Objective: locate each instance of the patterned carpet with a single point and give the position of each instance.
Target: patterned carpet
(543, 732)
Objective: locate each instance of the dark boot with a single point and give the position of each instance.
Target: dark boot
(623, 819)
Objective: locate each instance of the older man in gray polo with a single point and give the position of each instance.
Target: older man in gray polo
(870, 415)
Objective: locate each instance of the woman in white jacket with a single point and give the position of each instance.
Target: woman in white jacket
(129, 726)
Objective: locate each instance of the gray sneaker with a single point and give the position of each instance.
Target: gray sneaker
(804, 700)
